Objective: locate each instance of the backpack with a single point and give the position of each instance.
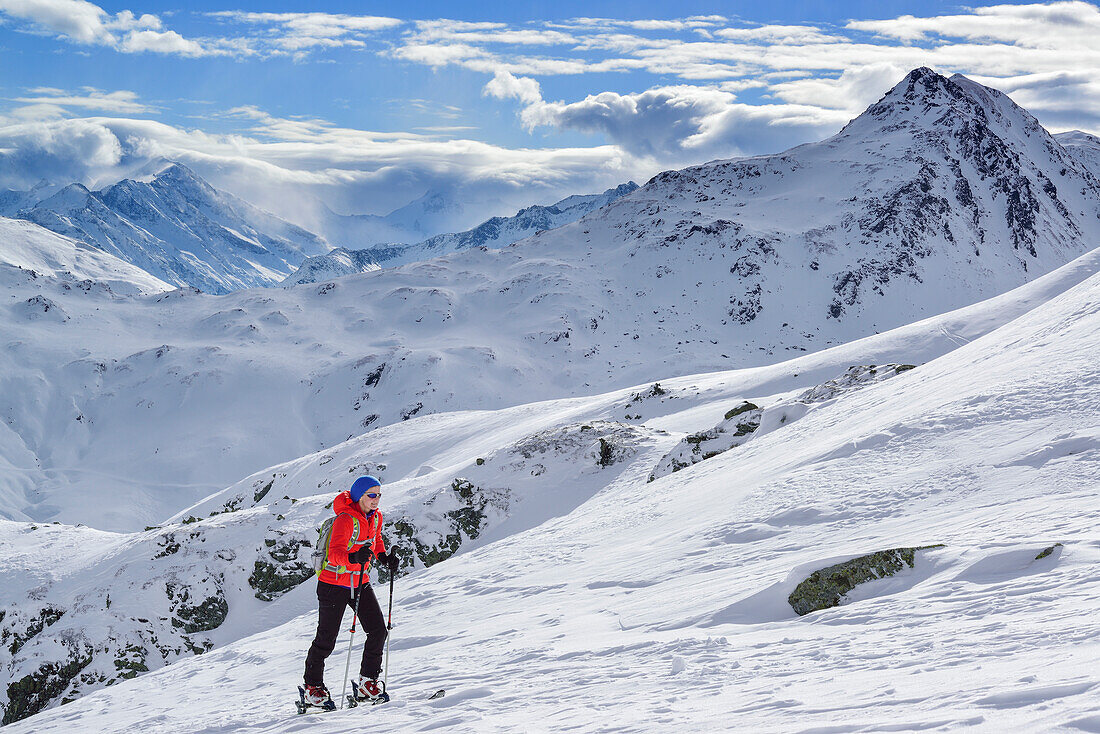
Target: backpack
(324, 537)
(320, 550)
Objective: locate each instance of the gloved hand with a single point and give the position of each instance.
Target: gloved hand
(364, 555)
(390, 560)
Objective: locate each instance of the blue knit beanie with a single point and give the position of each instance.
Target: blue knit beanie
(362, 485)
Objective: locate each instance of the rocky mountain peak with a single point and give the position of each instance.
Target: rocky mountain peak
(73, 197)
(931, 102)
(183, 180)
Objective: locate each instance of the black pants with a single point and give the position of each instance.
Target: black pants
(331, 601)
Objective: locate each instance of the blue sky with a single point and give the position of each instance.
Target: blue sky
(503, 103)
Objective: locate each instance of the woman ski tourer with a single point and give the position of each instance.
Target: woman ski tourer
(343, 581)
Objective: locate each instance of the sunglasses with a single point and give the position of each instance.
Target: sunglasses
(372, 495)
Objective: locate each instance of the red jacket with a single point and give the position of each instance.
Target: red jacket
(351, 531)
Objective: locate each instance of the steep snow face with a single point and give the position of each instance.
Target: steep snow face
(27, 246)
(181, 230)
(495, 232)
(681, 585)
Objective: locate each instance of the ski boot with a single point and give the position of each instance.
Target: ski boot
(368, 689)
(314, 696)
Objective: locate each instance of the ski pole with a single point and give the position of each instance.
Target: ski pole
(389, 626)
(351, 639)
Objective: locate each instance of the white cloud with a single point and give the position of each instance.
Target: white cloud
(81, 21)
(301, 32)
(671, 126)
(1059, 25)
(63, 150)
(166, 42)
(120, 102)
(504, 85)
(86, 23)
(852, 91)
(282, 163)
(465, 32)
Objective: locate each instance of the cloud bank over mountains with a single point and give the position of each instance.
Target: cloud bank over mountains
(683, 91)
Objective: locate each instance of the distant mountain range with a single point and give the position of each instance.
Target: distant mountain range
(180, 230)
(176, 227)
(494, 232)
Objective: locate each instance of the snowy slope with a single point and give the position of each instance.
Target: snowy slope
(628, 295)
(494, 232)
(454, 481)
(180, 229)
(663, 606)
(1084, 147)
(28, 246)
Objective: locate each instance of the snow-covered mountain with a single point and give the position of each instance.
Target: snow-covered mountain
(494, 232)
(178, 228)
(1084, 147)
(26, 246)
(935, 197)
(334, 264)
(976, 469)
(12, 201)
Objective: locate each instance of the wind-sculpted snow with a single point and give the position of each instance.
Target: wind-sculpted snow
(681, 585)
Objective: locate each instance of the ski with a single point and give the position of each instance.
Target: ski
(303, 707)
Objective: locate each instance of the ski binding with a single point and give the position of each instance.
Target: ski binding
(354, 699)
(302, 706)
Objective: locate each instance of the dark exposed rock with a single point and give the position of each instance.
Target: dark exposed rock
(204, 616)
(33, 692)
(827, 587)
(1047, 551)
